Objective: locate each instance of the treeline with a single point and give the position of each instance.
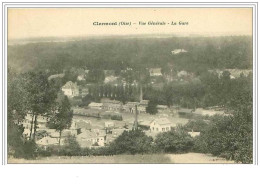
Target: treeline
(119, 53)
(120, 93)
(206, 91)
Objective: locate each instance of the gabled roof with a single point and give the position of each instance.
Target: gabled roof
(70, 85)
(94, 104)
(90, 135)
(162, 121)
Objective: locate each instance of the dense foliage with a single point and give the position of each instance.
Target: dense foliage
(132, 142)
(119, 53)
(174, 141)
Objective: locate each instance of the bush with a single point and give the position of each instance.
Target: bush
(29, 149)
(131, 142)
(174, 141)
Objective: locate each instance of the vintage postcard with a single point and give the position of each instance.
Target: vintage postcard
(130, 85)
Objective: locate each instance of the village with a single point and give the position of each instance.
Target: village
(100, 123)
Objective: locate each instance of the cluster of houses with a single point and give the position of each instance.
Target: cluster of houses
(89, 134)
(129, 107)
(234, 73)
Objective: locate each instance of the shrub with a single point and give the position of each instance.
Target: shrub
(132, 142)
(174, 141)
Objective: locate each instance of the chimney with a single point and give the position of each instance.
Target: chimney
(136, 120)
(141, 93)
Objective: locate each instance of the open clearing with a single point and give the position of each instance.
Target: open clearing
(188, 158)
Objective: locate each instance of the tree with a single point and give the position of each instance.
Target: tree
(18, 103)
(96, 76)
(41, 96)
(87, 100)
(174, 141)
(152, 107)
(71, 146)
(229, 136)
(132, 142)
(62, 117)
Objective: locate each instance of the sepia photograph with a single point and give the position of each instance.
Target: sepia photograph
(130, 85)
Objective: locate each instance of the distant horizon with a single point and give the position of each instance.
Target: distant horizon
(25, 23)
(157, 35)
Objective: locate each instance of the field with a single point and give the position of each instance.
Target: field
(188, 158)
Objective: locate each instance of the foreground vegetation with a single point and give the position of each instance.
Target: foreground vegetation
(126, 159)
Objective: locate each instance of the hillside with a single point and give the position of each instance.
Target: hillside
(118, 53)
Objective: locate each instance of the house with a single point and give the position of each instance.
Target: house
(160, 125)
(178, 51)
(94, 105)
(130, 107)
(194, 134)
(155, 72)
(141, 106)
(110, 79)
(235, 73)
(111, 105)
(81, 77)
(109, 124)
(91, 138)
(70, 89)
(182, 73)
(162, 107)
(47, 141)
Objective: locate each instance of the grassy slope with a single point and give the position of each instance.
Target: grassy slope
(121, 159)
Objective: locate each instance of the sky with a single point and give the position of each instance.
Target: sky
(69, 22)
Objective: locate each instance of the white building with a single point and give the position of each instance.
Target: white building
(91, 138)
(178, 51)
(160, 125)
(109, 124)
(155, 72)
(70, 89)
(81, 78)
(194, 134)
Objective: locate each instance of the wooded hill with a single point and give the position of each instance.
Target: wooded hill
(119, 53)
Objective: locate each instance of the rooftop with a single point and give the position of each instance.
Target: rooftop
(162, 121)
(94, 104)
(70, 85)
